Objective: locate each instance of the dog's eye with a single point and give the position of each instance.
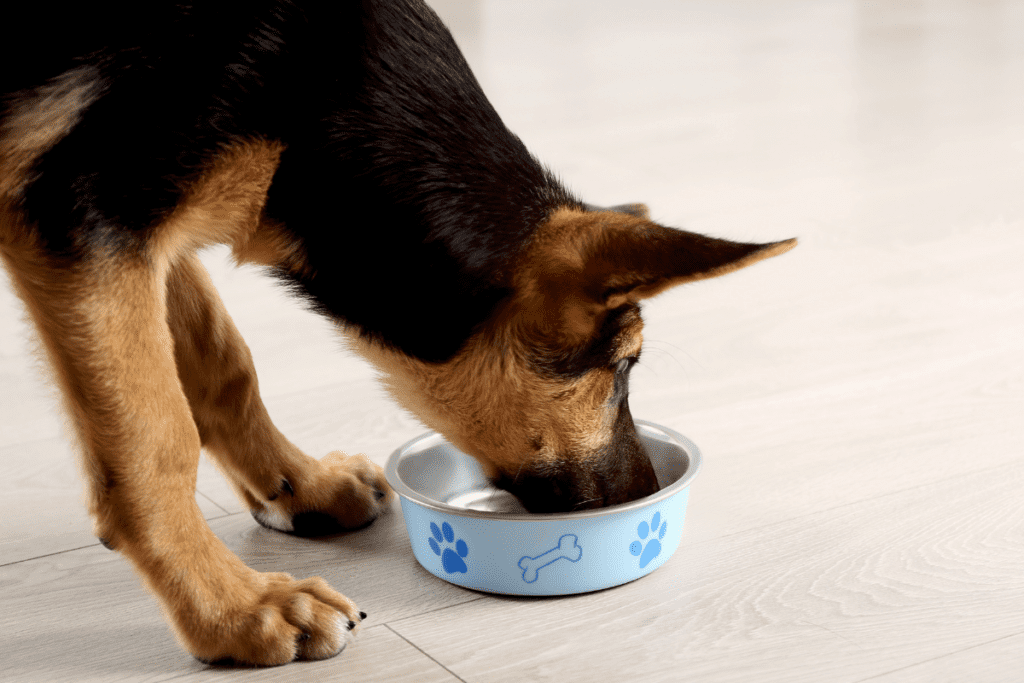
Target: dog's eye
(625, 364)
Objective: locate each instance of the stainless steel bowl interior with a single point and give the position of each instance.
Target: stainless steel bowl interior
(434, 473)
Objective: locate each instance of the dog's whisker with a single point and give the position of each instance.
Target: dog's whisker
(650, 347)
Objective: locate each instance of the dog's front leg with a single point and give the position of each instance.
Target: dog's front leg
(103, 320)
(284, 488)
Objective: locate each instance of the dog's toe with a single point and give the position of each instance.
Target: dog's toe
(339, 493)
(290, 620)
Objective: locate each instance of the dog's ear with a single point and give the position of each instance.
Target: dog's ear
(584, 264)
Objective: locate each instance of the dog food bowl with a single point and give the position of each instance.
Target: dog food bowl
(465, 531)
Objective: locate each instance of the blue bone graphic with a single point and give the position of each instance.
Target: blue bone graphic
(567, 548)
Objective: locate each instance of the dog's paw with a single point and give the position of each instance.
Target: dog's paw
(338, 493)
(280, 621)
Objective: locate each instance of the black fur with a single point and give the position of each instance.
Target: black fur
(409, 195)
(410, 199)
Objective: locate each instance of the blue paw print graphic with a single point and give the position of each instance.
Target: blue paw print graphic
(653, 547)
(451, 560)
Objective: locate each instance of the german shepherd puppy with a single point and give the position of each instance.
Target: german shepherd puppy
(347, 147)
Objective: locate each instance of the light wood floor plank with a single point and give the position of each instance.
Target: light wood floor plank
(82, 607)
(1000, 661)
(835, 596)
(826, 403)
(378, 655)
(45, 498)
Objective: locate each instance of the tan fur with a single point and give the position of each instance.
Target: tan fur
(571, 267)
(224, 203)
(151, 366)
(490, 404)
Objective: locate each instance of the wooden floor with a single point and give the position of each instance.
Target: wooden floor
(859, 401)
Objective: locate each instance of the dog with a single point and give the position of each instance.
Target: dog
(347, 147)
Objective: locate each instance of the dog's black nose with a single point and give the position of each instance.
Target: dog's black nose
(582, 487)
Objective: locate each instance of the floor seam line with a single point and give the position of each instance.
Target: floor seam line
(940, 657)
(424, 653)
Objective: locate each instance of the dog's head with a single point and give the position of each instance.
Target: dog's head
(539, 396)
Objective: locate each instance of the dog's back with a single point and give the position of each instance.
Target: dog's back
(394, 164)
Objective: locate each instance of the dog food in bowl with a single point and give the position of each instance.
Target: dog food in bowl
(465, 531)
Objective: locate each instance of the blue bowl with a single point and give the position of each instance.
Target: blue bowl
(465, 531)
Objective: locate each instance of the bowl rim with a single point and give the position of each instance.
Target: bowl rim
(696, 461)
